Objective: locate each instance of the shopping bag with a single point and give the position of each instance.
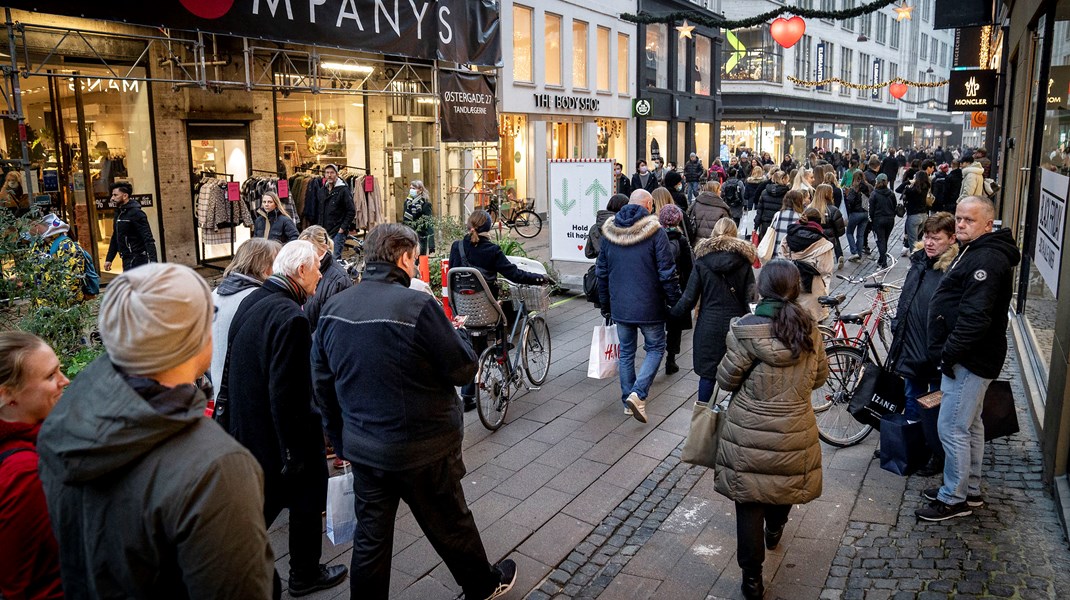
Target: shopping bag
(605, 352)
(997, 413)
(766, 246)
(878, 393)
(903, 447)
(700, 447)
(341, 514)
(755, 241)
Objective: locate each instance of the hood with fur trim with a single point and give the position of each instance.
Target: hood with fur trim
(725, 243)
(942, 262)
(632, 225)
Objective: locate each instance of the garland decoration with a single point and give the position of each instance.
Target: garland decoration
(936, 101)
(867, 86)
(718, 21)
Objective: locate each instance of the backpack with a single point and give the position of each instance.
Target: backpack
(590, 287)
(732, 195)
(990, 188)
(91, 279)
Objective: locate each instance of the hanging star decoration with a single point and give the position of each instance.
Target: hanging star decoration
(902, 13)
(685, 29)
(718, 21)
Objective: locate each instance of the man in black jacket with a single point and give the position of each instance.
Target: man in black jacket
(269, 390)
(968, 338)
(402, 432)
(694, 177)
(338, 208)
(131, 237)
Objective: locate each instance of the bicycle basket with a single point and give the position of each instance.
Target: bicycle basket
(535, 297)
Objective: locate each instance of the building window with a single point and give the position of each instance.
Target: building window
(522, 59)
(927, 10)
(893, 72)
(932, 49)
(846, 58)
(848, 24)
(553, 49)
(579, 54)
(867, 25)
(751, 55)
(703, 64)
(681, 62)
(657, 56)
(943, 53)
(882, 28)
(603, 62)
(924, 47)
(863, 73)
(894, 42)
(828, 6)
(623, 64)
(803, 51)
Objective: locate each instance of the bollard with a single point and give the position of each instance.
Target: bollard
(445, 288)
(425, 272)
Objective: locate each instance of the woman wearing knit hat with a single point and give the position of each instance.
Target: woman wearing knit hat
(671, 218)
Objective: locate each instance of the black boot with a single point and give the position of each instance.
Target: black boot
(933, 467)
(670, 364)
(322, 578)
(752, 587)
(469, 403)
(772, 538)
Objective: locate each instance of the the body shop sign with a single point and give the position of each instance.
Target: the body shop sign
(461, 31)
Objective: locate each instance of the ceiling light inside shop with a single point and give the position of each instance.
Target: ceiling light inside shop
(425, 100)
(347, 67)
(358, 104)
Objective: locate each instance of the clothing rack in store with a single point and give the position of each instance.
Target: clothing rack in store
(318, 168)
(275, 173)
(216, 174)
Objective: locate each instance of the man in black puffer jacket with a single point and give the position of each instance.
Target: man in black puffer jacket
(131, 236)
(338, 208)
(402, 432)
(968, 336)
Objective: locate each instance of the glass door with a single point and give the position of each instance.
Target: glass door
(219, 163)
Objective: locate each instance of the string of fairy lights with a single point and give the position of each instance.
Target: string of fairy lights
(866, 86)
(807, 13)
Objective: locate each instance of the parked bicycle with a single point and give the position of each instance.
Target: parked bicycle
(877, 319)
(511, 213)
(353, 256)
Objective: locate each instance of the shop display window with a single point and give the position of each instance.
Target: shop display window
(751, 55)
(656, 57)
(314, 130)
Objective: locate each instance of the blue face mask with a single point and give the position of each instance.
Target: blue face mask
(679, 186)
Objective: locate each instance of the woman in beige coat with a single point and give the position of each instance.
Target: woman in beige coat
(815, 257)
(769, 457)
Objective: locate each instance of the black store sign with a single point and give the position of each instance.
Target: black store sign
(467, 107)
(973, 90)
(462, 31)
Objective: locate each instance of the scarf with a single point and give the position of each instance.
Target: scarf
(291, 286)
(768, 307)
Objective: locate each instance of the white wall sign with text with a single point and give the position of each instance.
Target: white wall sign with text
(1050, 222)
(578, 190)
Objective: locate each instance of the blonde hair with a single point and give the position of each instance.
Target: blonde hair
(724, 226)
(712, 186)
(662, 197)
(831, 178)
(318, 236)
(254, 258)
(15, 347)
(278, 203)
(757, 172)
(823, 199)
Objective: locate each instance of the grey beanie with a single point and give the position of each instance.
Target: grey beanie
(155, 317)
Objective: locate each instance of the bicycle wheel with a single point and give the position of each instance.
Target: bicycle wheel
(527, 224)
(884, 332)
(827, 333)
(492, 399)
(835, 425)
(536, 350)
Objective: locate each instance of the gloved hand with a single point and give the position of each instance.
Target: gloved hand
(946, 369)
(606, 314)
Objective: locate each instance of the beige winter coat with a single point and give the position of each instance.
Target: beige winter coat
(822, 255)
(769, 450)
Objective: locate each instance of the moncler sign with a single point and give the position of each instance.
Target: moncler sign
(972, 90)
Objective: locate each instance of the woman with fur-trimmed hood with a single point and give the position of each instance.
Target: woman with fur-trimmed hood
(723, 281)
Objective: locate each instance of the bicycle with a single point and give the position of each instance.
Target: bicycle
(845, 357)
(499, 374)
(877, 319)
(352, 259)
(526, 222)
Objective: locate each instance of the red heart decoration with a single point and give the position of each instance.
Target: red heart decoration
(787, 32)
(579, 247)
(898, 89)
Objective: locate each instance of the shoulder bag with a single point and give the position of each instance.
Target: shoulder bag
(707, 419)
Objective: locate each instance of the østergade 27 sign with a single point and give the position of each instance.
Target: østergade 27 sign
(462, 31)
(467, 104)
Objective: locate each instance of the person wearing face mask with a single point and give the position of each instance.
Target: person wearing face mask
(31, 383)
(418, 206)
(674, 182)
(402, 432)
(621, 181)
(659, 170)
(269, 387)
(643, 179)
(338, 208)
(335, 279)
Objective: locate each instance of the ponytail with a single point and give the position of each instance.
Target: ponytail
(794, 326)
(473, 236)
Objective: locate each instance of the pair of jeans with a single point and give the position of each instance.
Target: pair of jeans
(962, 434)
(912, 229)
(752, 518)
(435, 495)
(856, 231)
(653, 343)
(883, 230)
(692, 190)
(339, 243)
(706, 386)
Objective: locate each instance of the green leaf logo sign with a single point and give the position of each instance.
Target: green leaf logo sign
(564, 203)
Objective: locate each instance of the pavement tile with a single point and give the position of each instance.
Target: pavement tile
(578, 476)
(824, 520)
(423, 589)
(523, 453)
(539, 507)
(630, 470)
(529, 572)
(492, 506)
(659, 554)
(565, 452)
(658, 444)
(515, 430)
(629, 587)
(548, 410)
(690, 516)
(502, 537)
(555, 540)
(556, 431)
(609, 449)
(596, 501)
(527, 480)
(418, 559)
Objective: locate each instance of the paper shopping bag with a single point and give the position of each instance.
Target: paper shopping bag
(341, 513)
(605, 352)
(903, 446)
(879, 392)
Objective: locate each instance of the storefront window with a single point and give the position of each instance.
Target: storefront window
(565, 140)
(657, 140)
(681, 62)
(603, 62)
(613, 141)
(579, 54)
(702, 143)
(657, 56)
(623, 64)
(320, 129)
(682, 144)
(739, 135)
(703, 60)
(522, 59)
(553, 49)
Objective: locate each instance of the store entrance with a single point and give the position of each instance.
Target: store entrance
(219, 163)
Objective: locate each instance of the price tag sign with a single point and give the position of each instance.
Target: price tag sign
(233, 191)
(284, 188)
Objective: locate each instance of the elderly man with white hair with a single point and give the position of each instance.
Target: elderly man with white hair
(265, 401)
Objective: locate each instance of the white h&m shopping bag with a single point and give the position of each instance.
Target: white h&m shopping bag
(341, 513)
(605, 352)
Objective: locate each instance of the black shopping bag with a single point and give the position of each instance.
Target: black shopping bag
(998, 413)
(878, 393)
(903, 447)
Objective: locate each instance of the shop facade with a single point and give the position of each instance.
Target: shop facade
(1035, 177)
(168, 111)
(567, 89)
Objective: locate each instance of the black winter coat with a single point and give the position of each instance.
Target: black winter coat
(769, 205)
(752, 191)
(890, 167)
(694, 171)
(914, 199)
(908, 354)
(335, 279)
(685, 263)
(386, 360)
(131, 236)
(855, 199)
(491, 261)
(282, 227)
(723, 281)
(338, 208)
(594, 235)
(270, 392)
(671, 179)
(968, 312)
(624, 185)
(882, 205)
(651, 182)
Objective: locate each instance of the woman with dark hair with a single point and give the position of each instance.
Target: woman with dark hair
(915, 196)
(594, 234)
(882, 216)
(857, 201)
(477, 251)
(790, 211)
(674, 182)
(774, 358)
(643, 179)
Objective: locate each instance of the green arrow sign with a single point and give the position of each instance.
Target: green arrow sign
(739, 51)
(563, 202)
(597, 191)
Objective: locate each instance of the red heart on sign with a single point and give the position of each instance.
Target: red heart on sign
(579, 247)
(787, 32)
(897, 89)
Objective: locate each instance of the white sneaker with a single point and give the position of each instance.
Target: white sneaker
(638, 407)
(903, 252)
(627, 411)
